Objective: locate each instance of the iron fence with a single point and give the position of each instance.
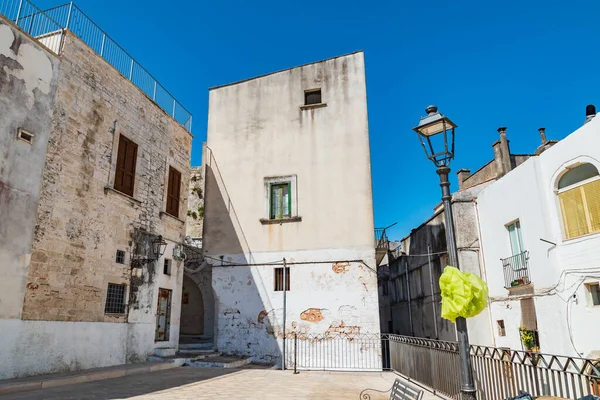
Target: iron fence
(499, 373)
(48, 27)
(33, 21)
(516, 270)
(336, 351)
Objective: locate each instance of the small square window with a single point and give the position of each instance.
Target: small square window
(115, 299)
(501, 328)
(594, 290)
(120, 259)
(25, 136)
(167, 267)
(279, 279)
(312, 97)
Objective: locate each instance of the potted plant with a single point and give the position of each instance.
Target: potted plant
(528, 340)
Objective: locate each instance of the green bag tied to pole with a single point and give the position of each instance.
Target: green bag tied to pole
(463, 294)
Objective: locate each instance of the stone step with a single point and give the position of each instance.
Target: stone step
(219, 362)
(165, 351)
(89, 375)
(196, 352)
(196, 346)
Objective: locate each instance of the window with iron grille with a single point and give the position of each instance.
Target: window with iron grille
(120, 259)
(279, 279)
(173, 192)
(167, 267)
(115, 299)
(126, 161)
(312, 97)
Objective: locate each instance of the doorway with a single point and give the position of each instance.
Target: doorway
(192, 308)
(163, 315)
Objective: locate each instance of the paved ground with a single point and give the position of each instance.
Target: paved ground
(216, 383)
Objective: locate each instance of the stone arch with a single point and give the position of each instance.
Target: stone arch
(192, 308)
(203, 282)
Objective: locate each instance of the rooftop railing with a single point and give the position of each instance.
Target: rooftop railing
(47, 26)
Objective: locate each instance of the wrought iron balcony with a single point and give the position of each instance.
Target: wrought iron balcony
(516, 270)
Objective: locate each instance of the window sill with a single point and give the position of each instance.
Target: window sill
(108, 189)
(279, 221)
(163, 213)
(311, 106)
(581, 238)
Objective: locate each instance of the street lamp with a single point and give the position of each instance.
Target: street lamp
(432, 129)
(158, 249)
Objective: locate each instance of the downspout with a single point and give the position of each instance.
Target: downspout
(412, 330)
(432, 292)
(482, 270)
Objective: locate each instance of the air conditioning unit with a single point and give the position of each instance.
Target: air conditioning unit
(179, 253)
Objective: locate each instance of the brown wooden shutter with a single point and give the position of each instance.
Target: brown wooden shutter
(173, 191)
(126, 162)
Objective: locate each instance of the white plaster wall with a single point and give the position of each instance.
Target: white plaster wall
(257, 129)
(37, 347)
(348, 297)
(527, 194)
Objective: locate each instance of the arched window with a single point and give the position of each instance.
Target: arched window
(579, 196)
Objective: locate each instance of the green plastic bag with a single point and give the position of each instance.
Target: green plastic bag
(463, 294)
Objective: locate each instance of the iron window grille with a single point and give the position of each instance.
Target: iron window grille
(120, 259)
(115, 299)
(279, 279)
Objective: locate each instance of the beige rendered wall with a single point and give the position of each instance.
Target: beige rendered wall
(258, 129)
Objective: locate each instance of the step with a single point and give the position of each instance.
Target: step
(165, 351)
(220, 362)
(96, 374)
(196, 346)
(196, 352)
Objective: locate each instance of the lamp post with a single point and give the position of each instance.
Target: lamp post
(435, 130)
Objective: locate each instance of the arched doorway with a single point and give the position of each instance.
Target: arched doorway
(192, 309)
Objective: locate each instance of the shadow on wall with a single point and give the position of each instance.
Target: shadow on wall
(245, 324)
(424, 264)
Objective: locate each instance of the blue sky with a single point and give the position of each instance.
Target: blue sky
(484, 64)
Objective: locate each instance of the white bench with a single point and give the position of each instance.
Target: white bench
(399, 391)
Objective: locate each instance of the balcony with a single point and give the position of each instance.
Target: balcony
(516, 270)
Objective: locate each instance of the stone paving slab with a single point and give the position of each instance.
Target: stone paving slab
(189, 383)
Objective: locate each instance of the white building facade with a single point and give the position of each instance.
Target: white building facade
(288, 176)
(540, 236)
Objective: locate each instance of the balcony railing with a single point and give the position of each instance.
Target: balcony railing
(48, 26)
(516, 270)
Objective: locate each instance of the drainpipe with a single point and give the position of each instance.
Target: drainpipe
(284, 311)
(482, 270)
(412, 330)
(432, 292)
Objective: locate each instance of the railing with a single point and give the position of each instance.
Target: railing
(381, 239)
(47, 26)
(33, 21)
(516, 270)
(499, 373)
(338, 350)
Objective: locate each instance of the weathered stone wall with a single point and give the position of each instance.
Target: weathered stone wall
(28, 80)
(195, 214)
(81, 223)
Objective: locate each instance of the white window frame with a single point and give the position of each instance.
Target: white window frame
(519, 236)
(277, 180)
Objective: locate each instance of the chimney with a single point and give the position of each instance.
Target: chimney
(463, 174)
(543, 135)
(502, 154)
(590, 112)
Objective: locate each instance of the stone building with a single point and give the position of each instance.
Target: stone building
(93, 176)
(288, 176)
(409, 292)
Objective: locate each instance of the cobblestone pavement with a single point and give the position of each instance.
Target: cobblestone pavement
(217, 383)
